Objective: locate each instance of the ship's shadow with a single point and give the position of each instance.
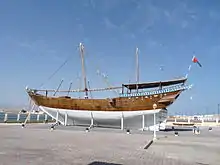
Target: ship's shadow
(102, 163)
(178, 129)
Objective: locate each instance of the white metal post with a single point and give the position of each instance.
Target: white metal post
(92, 121)
(154, 107)
(29, 114)
(66, 118)
(122, 122)
(143, 122)
(57, 117)
(154, 125)
(29, 117)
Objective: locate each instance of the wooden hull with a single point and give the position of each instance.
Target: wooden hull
(131, 119)
(138, 103)
(107, 112)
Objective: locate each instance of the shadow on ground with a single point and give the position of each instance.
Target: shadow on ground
(178, 129)
(102, 163)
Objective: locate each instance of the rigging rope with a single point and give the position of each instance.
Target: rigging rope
(90, 91)
(103, 76)
(57, 70)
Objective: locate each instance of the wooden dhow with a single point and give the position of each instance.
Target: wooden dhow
(133, 107)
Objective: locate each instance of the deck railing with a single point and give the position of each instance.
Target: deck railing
(159, 91)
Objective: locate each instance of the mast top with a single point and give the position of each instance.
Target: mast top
(83, 69)
(137, 69)
(137, 66)
(81, 46)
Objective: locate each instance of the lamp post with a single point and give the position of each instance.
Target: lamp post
(154, 107)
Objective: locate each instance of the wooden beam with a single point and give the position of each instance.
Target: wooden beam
(76, 90)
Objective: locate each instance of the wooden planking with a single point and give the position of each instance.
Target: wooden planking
(116, 104)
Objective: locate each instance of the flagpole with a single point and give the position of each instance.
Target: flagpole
(194, 60)
(189, 69)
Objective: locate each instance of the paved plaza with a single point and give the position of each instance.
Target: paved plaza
(37, 144)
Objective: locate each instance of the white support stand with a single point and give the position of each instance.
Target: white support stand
(143, 122)
(66, 119)
(188, 120)
(155, 136)
(122, 121)
(217, 121)
(175, 120)
(57, 117)
(28, 116)
(92, 121)
(18, 117)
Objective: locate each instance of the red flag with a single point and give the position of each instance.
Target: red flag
(195, 60)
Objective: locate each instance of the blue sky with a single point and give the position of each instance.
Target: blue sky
(36, 37)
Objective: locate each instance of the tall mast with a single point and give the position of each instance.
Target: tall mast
(137, 69)
(83, 69)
